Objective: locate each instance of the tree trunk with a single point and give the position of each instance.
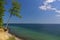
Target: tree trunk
(8, 21)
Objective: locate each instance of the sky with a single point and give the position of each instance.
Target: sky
(36, 11)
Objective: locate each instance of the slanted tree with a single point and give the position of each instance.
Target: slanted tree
(13, 11)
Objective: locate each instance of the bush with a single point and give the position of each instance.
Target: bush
(11, 38)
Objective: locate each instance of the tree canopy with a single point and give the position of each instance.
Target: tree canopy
(14, 10)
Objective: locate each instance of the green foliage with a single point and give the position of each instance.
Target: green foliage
(14, 10)
(11, 38)
(1, 12)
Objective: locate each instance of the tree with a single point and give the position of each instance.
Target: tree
(1, 12)
(14, 11)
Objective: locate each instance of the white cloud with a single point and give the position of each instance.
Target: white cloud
(44, 7)
(49, 1)
(47, 6)
(58, 11)
(58, 15)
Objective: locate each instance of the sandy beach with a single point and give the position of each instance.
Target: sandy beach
(4, 35)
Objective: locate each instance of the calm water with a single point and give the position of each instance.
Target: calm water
(36, 31)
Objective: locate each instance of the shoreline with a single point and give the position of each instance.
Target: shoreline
(17, 38)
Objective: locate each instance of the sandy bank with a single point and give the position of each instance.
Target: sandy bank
(4, 35)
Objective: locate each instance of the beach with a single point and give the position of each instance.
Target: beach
(4, 35)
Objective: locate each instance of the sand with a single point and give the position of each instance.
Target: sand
(5, 35)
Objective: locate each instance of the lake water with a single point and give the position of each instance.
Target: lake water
(36, 31)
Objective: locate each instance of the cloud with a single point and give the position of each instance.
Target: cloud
(58, 15)
(47, 6)
(44, 7)
(58, 11)
(49, 1)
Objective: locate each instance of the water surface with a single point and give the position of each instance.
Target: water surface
(36, 31)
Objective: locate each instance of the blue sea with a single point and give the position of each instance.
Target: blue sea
(36, 31)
